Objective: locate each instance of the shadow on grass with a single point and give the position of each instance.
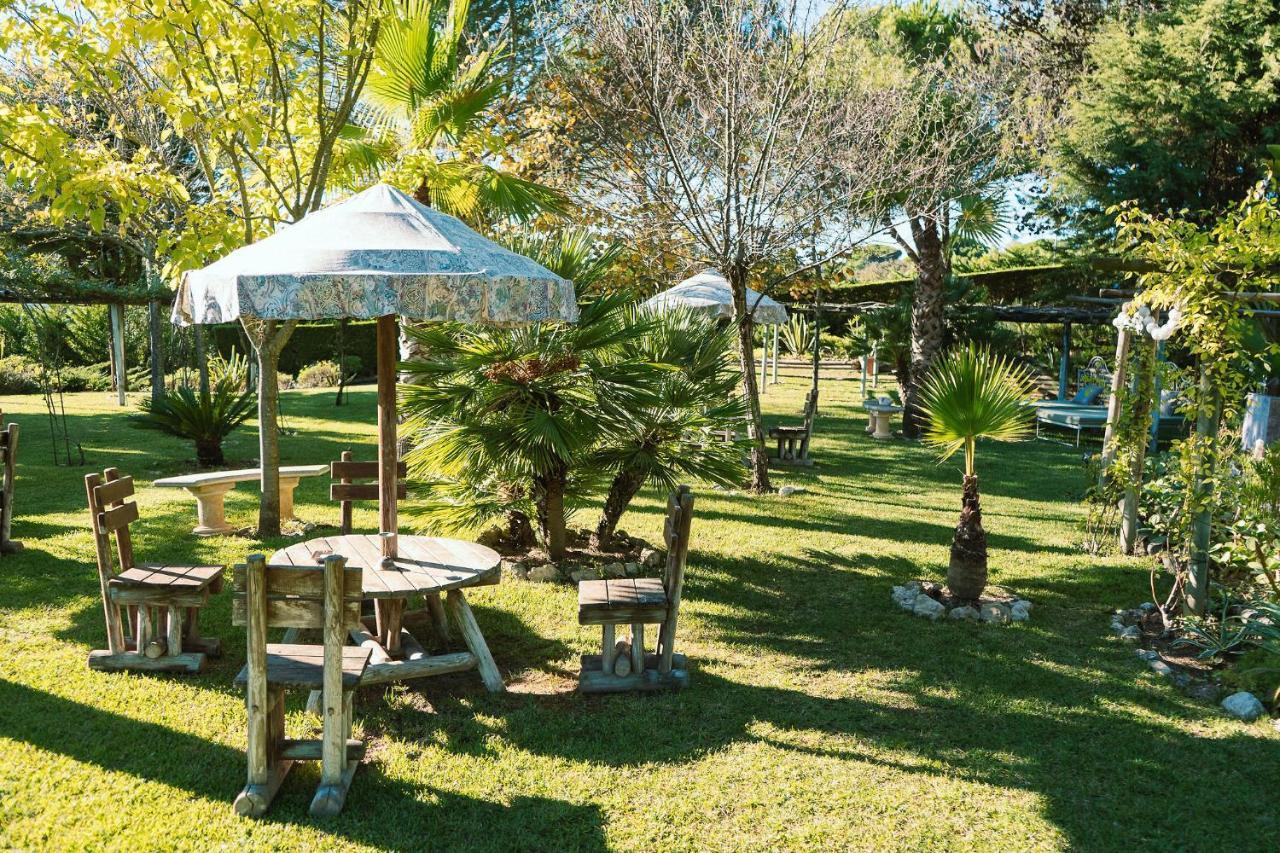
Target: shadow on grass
(380, 811)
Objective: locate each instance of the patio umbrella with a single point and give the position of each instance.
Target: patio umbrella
(379, 254)
(709, 292)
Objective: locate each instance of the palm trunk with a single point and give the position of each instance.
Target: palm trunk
(746, 361)
(209, 453)
(928, 318)
(967, 574)
(552, 512)
(625, 486)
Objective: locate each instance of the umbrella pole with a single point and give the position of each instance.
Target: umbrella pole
(388, 342)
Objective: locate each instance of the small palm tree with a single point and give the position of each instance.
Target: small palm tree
(206, 417)
(506, 417)
(972, 394)
(676, 439)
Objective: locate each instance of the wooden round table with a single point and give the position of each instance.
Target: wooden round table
(424, 565)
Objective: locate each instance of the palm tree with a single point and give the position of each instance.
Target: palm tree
(501, 418)
(972, 394)
(674, 439)
(427, 118)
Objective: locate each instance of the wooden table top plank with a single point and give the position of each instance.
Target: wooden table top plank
(425, 564)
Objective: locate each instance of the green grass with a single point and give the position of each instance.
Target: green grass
(818, 716)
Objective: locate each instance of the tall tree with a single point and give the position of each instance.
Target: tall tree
(960, 88)
(1175, 112)
(262, 93)
(713, 121)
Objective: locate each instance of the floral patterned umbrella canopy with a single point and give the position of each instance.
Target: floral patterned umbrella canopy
(378, 254)
(375, 254)
(709, 292)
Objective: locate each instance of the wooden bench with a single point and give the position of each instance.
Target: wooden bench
(622, 665)
(8, 474)
(299, 598)
(163, 602)
(793, 441)
(210, 488)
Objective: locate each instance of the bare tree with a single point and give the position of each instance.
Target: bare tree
(718, 122)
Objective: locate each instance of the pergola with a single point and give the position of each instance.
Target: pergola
(115, 298)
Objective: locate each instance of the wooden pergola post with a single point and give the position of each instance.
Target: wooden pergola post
(1197, 591)
(1118, 378)
(116, 311)
(1064, 363)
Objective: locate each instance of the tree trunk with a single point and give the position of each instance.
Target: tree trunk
(268, 338)
(967, 574)
(625, 486)
(519, 530)
(746, 360)
(156, 334)
(202, 361)
(928, 317)
(209, 453)
(552, 512)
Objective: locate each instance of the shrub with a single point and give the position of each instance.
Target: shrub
(322, 374)
(206, 419)
(90, 378)
(19, 375)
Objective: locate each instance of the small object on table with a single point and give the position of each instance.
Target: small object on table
(389, 552)
(210, 488)
(425, 565)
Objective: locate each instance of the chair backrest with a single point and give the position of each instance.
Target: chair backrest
(676, 535)
(326, 597)
(346, 490)
(810, 408)
(296, 596)
(110, 515)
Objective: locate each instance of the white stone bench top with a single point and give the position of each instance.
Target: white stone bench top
(186, 481)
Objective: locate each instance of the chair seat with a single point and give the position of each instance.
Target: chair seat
(302, 666)
(621, 601)
(170, 578)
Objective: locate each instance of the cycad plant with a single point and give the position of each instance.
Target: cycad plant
(503, 419)
(205, 417)
(973, 394)
(676, 438)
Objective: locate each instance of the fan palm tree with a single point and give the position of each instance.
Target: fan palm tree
(429, 105)
(674, 439)
(972, 394)
(507, 416)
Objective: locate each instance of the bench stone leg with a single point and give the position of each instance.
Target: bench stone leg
(882, 426)
(287, 485)
(209, 508)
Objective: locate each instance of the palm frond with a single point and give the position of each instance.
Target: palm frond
(972, 394)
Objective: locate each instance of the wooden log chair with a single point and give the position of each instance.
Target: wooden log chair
(623, 665)
(345, 490)
(296, 598)
(152, 610)
(8, 476)
(793, 441)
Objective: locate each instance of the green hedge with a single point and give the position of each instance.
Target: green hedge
(311, 342)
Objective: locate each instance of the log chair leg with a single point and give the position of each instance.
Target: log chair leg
(439, 619)
(266, 768)
(462, 616)
(637, 648)
(607, 648)
(173, 631)
(389, 614)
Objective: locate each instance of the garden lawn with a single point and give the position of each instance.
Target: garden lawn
(818, 715)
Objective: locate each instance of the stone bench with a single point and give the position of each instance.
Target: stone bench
(209, 490)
